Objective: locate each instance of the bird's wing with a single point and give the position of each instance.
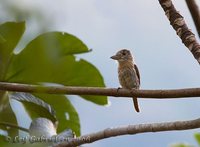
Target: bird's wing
(137, 72)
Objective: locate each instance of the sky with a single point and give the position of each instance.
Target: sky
(164, 62)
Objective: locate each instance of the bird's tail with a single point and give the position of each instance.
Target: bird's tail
(135, 102)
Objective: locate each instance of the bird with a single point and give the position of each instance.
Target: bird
(128, 73)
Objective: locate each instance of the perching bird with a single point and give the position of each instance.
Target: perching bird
(128, 73)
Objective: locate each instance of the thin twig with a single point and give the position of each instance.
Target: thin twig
(178, 23)
(194, 10)
(13, 126)
(70, 90)
(132, 129)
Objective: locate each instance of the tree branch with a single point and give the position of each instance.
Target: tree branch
(13, 126)
(178, 23)
(111, 132)
(131, 129)
(194, 10)
(70, 90)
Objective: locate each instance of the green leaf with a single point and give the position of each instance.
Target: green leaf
(197, 137)
(34, 106)
(50, 58)
(181, 145)
(2, 40)
(65, 112)
(7, 114)
(5, 141)
(10, 34)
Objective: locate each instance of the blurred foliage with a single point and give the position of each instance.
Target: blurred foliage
(36, 15)
(29, 11)
(180, 145)
(197, 138)
(49, 58)
(7, 114)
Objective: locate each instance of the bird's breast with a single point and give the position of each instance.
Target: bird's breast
(128, 78)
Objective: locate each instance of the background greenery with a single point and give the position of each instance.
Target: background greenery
(107, 26)
(47, 59)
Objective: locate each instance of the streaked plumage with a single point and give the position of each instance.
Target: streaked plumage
(128, 72)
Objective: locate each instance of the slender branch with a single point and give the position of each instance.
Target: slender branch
(70, 90)
(194, 10)
(132, 129)
(13, 126)
(178, 23)
(111, 132)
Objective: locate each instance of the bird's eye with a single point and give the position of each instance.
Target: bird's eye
(123, 53)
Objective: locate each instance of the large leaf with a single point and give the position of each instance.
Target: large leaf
(7, 114)
(6, 141)
(197, 137)
(34, 106)
(50, 58)
(2, 40)
(10, 34)
(65, 112)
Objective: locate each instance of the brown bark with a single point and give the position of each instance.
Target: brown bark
(115, 92)
(194, 10)
(131, 129)
(178, 23)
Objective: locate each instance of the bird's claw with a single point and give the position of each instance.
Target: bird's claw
(118, 89)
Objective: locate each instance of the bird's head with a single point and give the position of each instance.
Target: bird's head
(122, 56)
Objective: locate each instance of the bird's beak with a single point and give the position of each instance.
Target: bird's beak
(115, 57)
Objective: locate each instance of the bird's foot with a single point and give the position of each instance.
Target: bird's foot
(118, 89)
